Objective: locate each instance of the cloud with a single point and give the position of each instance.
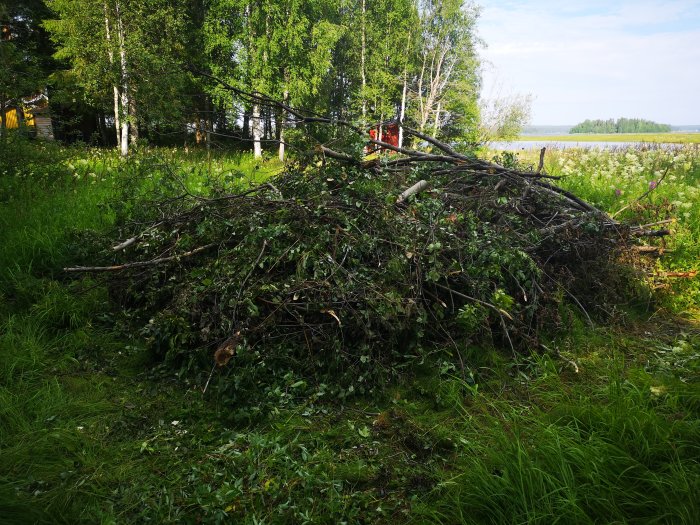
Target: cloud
(596, 60)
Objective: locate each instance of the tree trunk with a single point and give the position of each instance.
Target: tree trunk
(436, 126)
(117, 118)
(110, 54)
(402, 111)
(362, 65)
(199, 130)
(267, 124)
(281, 125)
(256, 124)
(125, 86)
(420, 95)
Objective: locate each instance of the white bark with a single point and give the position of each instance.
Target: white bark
(436, 125)
(418, 187)
(110, 53)
(282, 122)
(256, 124)
(125, 85)
(402, 111)
(362, 64)
(421, 102)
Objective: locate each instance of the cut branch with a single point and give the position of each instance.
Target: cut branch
(413, 190)
(139, 264)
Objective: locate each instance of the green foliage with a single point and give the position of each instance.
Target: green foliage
(602, 427)
(615, 179)
(621, 125)
(303, 279)
(23, 59)
(149, 64)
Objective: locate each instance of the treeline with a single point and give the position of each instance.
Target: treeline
(621, 125)
(149, 70)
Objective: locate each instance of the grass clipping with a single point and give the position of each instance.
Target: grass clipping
(354, 268)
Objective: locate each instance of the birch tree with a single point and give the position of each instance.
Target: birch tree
(447, 58)
(125, 55)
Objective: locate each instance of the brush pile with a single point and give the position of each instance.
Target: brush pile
(355, 267)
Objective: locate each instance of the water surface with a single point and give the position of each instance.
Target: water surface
(523, 145)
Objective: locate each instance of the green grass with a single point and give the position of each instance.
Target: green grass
(615, 180)
(601, 427)
(656, 138)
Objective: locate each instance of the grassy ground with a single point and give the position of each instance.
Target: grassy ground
(660, 138)
(602, 425)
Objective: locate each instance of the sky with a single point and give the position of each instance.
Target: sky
(594, 59)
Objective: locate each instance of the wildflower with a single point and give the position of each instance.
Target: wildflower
(618, 192)
(652, 184)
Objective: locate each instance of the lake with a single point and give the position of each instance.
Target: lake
(520, 145)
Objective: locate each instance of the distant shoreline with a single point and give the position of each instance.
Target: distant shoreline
(542, 130)
(673, 137)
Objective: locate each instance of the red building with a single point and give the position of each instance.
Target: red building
(385, 132)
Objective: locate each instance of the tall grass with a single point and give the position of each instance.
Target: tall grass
(603, 429)
(59, 350)
(642, 185)
(616, 456)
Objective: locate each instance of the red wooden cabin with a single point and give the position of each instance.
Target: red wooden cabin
(385, 132)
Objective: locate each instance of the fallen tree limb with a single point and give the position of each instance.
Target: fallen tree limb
(653, 250)
(678, 275)
(139, 264)
(651, 233)
(416, 188)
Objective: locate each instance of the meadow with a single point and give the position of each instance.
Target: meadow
(601, 424)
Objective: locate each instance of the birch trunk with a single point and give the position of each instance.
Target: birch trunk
(124, 99)
(282, 122)
(436, 125)
(362, 65)
(421, 102)
(257, 131)
(402, 111)
(110, 54)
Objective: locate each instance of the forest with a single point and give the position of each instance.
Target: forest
(259, 264)
(621, 125)
(123, 71)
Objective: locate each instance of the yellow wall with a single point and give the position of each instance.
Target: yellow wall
(12, 122)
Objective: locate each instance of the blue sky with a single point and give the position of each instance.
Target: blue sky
(595, 59)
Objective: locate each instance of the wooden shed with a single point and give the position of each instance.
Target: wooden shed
(33, 113)
(385, 132)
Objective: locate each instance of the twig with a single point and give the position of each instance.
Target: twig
(495, 308)
(241, 287)
(642, 196)
(132, 240)
(651, 224)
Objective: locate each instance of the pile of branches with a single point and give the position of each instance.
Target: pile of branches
(355, 266)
